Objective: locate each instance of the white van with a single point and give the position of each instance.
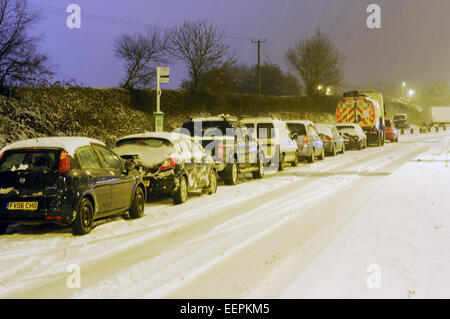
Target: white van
(275, 139)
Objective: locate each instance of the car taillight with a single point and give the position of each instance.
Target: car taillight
(168, 164)
(64, 162)
(1, 155)
(328, 138)
(220, 150)
(305, 139)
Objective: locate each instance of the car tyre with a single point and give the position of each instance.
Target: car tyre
(212, 187)
(84, 221)
(281, 165)
(322, 155)
(3, 228)
(260, 172)
(181, 194)
(333, 152)
(231, 173)
(312, 158)
(137, 206)
(294, 163)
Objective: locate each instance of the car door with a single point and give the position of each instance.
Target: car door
(187, 158)
(288, 143)
(121, 184)
(338, 139)
(94, 178)
(317, 141)
(201, 165)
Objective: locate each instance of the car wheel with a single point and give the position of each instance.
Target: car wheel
(295, 162)
(360, 146)
(181, 194)
(281, 165)
(322, 155)
(212, 187)
(84, 220)
(260, 172)
(312, 158)
(231, 173)
(137, 207)
(3, 228)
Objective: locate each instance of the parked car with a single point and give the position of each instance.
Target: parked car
(333, 140)
(401, 121)
(310, 145)
(354, 137)
(69, 181)
(391, 131)
(171, 163)
(232, 147)
(275, 139)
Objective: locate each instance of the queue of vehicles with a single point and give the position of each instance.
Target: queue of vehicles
(72, 181)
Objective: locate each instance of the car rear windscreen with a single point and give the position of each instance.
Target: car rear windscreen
(156, 143)
(30, 160)
(324, 129)
(209, 128)
(297, 128)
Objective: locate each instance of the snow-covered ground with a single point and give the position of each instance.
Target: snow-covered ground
(309, 231)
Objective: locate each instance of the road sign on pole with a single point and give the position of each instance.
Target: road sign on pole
(162, 76)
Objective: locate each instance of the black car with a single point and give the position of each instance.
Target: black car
(171, 163)
(70, 181)
(234, 149)
(354, 136)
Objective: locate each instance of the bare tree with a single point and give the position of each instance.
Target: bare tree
(20, 61)
(317, 61)
(201, 46)
(142, 51)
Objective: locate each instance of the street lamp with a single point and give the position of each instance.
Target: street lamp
(319, 87)
(411, 93)
(328, 91)
(403, 89)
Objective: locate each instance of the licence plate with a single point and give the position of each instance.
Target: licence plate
(146, 182)
(22, 206)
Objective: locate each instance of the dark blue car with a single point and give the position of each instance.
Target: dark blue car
(69, 181)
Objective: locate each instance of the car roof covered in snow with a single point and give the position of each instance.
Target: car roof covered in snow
(171, 136)
(69, 144)
(300, 122)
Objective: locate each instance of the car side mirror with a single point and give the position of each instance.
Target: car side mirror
(294, 136)
(129, 166)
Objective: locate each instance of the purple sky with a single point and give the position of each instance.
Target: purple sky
(413, 44)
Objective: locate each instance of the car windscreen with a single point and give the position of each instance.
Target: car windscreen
(209, 128)
(30, 160)
(297, 128)
(399, 117)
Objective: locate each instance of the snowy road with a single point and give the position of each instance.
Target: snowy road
(256, 239)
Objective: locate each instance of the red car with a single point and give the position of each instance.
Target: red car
(391, 131)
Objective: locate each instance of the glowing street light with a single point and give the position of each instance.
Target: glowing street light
(403, 84)
(328, 91)
(411, 93)
(319, 87)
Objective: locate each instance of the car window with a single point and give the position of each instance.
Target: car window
(186, 147)
(87, 157)
(32, 160)
(297, 128)
(110, 159)
(265, 130)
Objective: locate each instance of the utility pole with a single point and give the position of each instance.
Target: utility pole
(258, 42)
